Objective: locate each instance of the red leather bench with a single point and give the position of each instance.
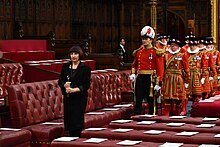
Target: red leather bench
(10, 73)
(164, 126)
(105, 92)
(31, 104)
(108, 143)
(166, 119)
(10, 137)
(206, 109)
(167, 136)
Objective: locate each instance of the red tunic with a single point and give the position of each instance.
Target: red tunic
(195, 59)
(146, 61)
(175, 76)
(207, 66)
(215, 55)
(218, 67)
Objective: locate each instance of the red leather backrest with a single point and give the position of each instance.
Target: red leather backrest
(90, 103)
(125, 80)
(43, 101)
(108, 88)
(113, 89)
(35, 102)
(0, 122)
(10, 73)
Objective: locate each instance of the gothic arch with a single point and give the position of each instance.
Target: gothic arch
(170, 22)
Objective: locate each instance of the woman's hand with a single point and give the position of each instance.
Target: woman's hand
(72, 90)
(67, 84)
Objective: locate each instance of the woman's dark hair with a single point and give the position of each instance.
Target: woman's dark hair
(76, 49)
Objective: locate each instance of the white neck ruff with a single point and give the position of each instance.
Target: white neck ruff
(210, 49)
(172, 52)
(204, 47)
(192, 52)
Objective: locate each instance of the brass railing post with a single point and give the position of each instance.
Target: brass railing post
(214, 19)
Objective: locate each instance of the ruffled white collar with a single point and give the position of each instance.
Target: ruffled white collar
(192, 52)
(163, 43)
(204, 47)
(172, 52)
(210, 49)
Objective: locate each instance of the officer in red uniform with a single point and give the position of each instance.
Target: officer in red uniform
(146, 66)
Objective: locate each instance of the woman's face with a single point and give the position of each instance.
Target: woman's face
(74, 56)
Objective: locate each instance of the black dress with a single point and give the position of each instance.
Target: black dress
(75, 103)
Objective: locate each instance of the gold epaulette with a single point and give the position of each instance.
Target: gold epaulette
(135, 51)
(159, 51)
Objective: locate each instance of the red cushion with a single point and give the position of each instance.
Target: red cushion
(164, 126)
(189, 120)
(45, 133)
(15, 138)
(206, 109)
(110, 143)
(168, 136)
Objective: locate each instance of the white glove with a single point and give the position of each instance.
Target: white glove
(157, 87)
(203, 80)
(132, 77)
(186, 85)
(210, 78)
(218, 77)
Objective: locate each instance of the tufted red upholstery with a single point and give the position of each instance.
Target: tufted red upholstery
(31, 103)
(90, 103)
(126, 83)
(37, 102)
(106, 91)
(19, 138)
(10, 73)
(34, 103)
(0, 122)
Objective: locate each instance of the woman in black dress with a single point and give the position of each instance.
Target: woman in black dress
(74, 82)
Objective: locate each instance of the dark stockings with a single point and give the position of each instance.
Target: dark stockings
(75, 133)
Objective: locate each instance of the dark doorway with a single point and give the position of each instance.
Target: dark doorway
(170, 23)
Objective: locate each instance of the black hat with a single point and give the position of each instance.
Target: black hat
(189, 36)
(193, 41)
(209, 40)
(202, 39)
(161, 36)
(174, 40)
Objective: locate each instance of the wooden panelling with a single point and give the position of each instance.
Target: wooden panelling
(105, 20)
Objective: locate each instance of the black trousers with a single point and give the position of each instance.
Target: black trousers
(142, 90)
